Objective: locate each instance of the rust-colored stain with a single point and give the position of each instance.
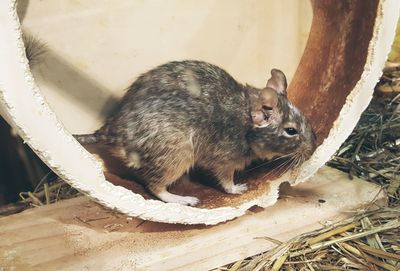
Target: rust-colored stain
(333, 59)
(210, 195)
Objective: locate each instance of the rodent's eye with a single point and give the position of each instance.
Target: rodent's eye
(291, 131)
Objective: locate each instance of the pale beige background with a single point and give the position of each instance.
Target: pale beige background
(96, 48)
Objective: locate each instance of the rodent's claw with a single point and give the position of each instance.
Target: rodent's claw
(237, 189)
(191, 201)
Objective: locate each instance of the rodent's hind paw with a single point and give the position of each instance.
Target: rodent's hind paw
(183, 200)
(191, 201)
(236, 189)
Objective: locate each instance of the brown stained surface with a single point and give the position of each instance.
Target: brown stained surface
(208, 192)
(210, 196)
(331, 65)
(333, 59)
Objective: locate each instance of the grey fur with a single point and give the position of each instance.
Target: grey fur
(192, 113)
(87, 139)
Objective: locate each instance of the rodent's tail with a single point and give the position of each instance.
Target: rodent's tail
(34, 49)
(87, 138)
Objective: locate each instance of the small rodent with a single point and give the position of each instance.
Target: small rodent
(192, 113)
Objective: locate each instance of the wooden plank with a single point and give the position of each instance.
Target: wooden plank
(78, 234)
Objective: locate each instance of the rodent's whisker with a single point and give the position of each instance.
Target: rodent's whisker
(281, 166)
(258, 166)
(284, 156)
(293, 162)
(271, 161)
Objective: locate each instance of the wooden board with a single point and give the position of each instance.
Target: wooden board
(78, 234)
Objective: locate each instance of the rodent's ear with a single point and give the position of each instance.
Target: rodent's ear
(267, 101)
(268, 98)
(278, 81)
(259, 119)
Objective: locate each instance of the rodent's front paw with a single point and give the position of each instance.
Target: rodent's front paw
(236, 189)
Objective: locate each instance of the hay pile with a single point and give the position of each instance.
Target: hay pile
(372, 151)
(49, 189)
(368, 241)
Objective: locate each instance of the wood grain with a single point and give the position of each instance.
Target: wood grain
(78, 234)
